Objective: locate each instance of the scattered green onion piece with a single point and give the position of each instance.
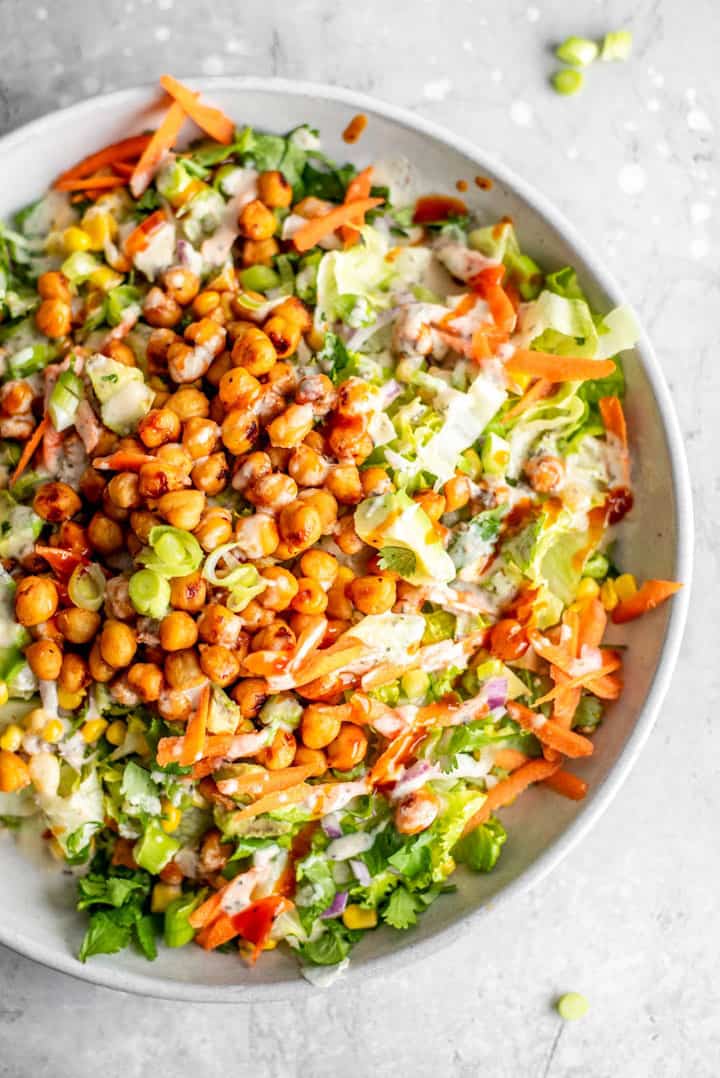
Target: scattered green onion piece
(572, 1006)
(65, 400)
(616, 45)
(78, 266)
(284, 268)
(259, 278)
(596, 567)
(223, 570)
(568, 81)
(86, 586)
(30, 360)
(173, 552)
(149, 593)
(577, 51)
(248, 302)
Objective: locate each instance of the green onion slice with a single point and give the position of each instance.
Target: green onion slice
(578, 51)
(65, 400)
(86, 586)
(173, 552)
(223, 569)
(149, 593)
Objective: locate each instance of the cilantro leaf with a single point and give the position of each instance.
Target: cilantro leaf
(589, 713)
(110, 891)
(331, 947)
(335, 357)
(144, 934)
(401, 910)
(109, 931)
(398, 559)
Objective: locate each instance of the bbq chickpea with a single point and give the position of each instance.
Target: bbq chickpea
(310, 598)
(146, 679)
(36, 600)
(250, 694)
(376, 481)
(545, 474)
(274, 637)
(318, 391)
(205, 303)
(187, 402)
(182, 508)
(239, 389)
(157, 347)
(54, 318)
(274, 189)
(281, 589)
(283, 378)
(254, 351)
(118, 643)
(54, 285)
(324, 505)
(431, 502)
(344, 484)
(142, 522)
(120, 352)
(74, 674)
(77, 625)
(319, 566)
(257, 535)
(373, 594)
(219, 664)
(188, 592)
(219, 625)
(123, 490)
(104, 535)
(313, 758)
(349, 441)
(256, 221)
(259, 252)
(348, 748)
(16, 398)
(212, 474)
(56, 502)
(200, 436)
(280, 753)
(291, 426)
(416, 812)
(457, 493)
(239, 431)
(177, 631)
(299, 525)
(249, 469)
(161, 310)
(347, 538)
(320, 725)
(181, 284)
(99, 670)
(272, 492)
(284, 335)
(44, 659)
(159, 426)
(182, 669)
(307, 467)
(214, 528)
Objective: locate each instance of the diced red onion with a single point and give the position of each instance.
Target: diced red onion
(413, 778)
(496, 690)
(362, 872)
(331, 825)
(336, 907)
(389, 392)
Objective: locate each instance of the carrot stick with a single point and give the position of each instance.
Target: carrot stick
(29, 448)
(125, 150)
(607, 687)
(139, 238)
(537, 391)
(327, 662)
(279, 799)
(549, 732)
(645, 598)
(557, 368)
(578, 682)
(259, 783)
(319, 227)
(613, 417)
(510, 759)
(156, 149)
(567, 785)
(219, 931)
(593, 622)
(123, 168)
(123, 460)
(207, 910)
(194, 740)
(506, 791)
(89, 183)
(489, 284)
(359, 187)
(213, 121)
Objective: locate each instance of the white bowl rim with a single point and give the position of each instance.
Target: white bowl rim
(123, 980)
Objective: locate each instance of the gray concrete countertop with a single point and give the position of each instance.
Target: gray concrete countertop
(630, 917)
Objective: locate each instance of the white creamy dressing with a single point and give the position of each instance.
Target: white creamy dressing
(217, 247)
(342, 849)
(159, 254)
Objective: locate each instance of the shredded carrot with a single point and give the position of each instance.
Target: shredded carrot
(593, 622)
(480, 345)
(219, 931)
(646, 598)
(207, 910)
(259, 783)
(212, 121)
(488, 284)
(583, 680)
(123, 168)
(550, 733)
(139, 238)
(383, 770)
(318, 227)
(508, 789)
(90, 183)
(567, 785)
(537, 391)
(278, 799)
(359, 187)
(328, 661)
(613, 417)
(125, 150)
(510, 759)
(557, 368)
(194, 740)
(29, 449)
(607, 687)
(155, 151)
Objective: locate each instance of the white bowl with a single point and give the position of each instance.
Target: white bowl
(38, 917)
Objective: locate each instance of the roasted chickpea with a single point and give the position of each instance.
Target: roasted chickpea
(72, 537)
(219, 664)
(99, 670)
(120, 352)
(118, 643)
(281, 590)
(177, 631)
(54, 318)
(299, 525)
(36, 600)
(55, 502)
(212, 474)
(376, 481)
(274, 190)
(348, 748)
(250, 694)
(161, 310)
(188, 592)
(290, 428)
(92, 485)
(213, 854)
(310, 598)
(218, 625)
(214, 528)
(272, 491)
(307, 467)
(218, 368)
(278, 457)
(182, 508)
(259, 252)
(339, 604)
(344, 484)
(16, 398)
(239, 389)
(157, 478)
(254, 351)
(159, 426)
(318, 391)
(257, 535)
(239, 431)
(251, 468)
(313, 758)
(256, 221)
(157, 348)
(77, 625)
(508, 640)
(181, 284)
(54, 285)
(206, 333)
(205, 303)
(280, 753)
(74, 674)
(274, 637)
(254, 616)
(142, 522)
(187, 402)
(457, 493)
(283, 378)
(373, 594)
(182, 669)
(432, 503)
(123, 491)
(347, 538)
(545, 473)
(416, 812)
(284, 334)
(349, 441)
(200, 437)
(44, 659)
(146, 679)
(320, 566)
(104, 535)
(320, 725)
(324, 505)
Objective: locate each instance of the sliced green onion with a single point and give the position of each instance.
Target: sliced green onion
(86, 586)
(173, 552)
(568, 81)
(572, 1006)
(597, 567)
(119, 300)
(616, 45)
(30, 360)
(223, 570)
(248, 302)
(259, 278)
(149, 593)
(287, 274)
(79, 266)
(578, 51)
(64, 400)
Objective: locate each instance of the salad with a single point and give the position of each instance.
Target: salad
(308, 488)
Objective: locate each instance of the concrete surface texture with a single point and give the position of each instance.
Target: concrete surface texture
(629, 919)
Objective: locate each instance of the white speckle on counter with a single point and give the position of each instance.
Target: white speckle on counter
(467, 45)
(699, 121)
(237, 47)
(699, 247)
(653, 105)
(437, 90)
(91, 84)
(521, 113)
(656, 78)
(572, 152)
(162, 33)
(496, 75)
(213, 65)
(700, 212)
(164, 5)
(41, 14)
(632, 179)
(532, 14)
(663, 149)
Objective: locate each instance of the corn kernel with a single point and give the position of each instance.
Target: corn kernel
(357, 917)
(36, 719)
(4, 693)
(588, 588)
(53, 731)
(70, 701)
(415, 684)
(105, 278)
(270, 945)
(11, 737)
(163, 894)
(75, 239)
(172, 816)
(13, 772)
(100, 227)
(116, 732)
(316, 339)
(522, 380)
(93, 729)
(625, 586)
(608, 595)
